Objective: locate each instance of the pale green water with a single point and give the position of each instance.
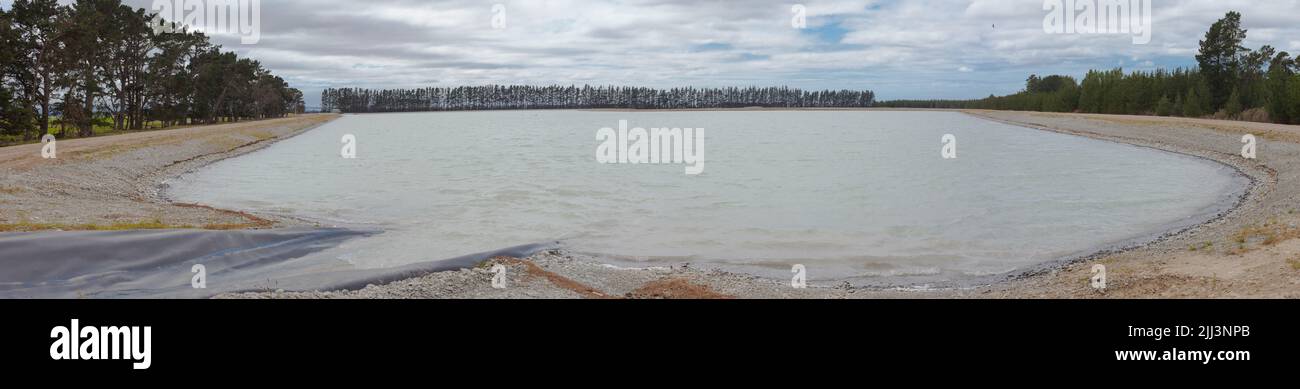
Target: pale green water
(852, 195)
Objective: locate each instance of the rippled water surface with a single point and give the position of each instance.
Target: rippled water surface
(850, 194)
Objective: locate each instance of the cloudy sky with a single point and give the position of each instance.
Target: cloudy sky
(899, 48)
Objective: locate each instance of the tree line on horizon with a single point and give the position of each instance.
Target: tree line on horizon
(497, 97)
(1229, 82)
(96, 61)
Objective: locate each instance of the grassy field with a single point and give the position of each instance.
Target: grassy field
(103, 126)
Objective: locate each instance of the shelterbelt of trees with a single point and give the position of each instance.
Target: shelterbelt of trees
(95, 61)
(355, 100)
(1230, 82)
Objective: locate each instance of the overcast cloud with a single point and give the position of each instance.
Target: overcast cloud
(900, 49)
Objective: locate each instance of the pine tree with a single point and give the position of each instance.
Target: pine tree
(1191, 108)
(1279, 76)
(1163, 107)
(1220, 57)
(34, 46)
(96, 59)
(1233, 106)
(1293, 98)
(559, 97)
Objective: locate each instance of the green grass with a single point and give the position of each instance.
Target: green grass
(102, 127)
(1202, 246)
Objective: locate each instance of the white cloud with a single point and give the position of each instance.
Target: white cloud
(901, 49)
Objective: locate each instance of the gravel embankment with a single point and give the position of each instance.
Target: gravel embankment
(114, 181)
